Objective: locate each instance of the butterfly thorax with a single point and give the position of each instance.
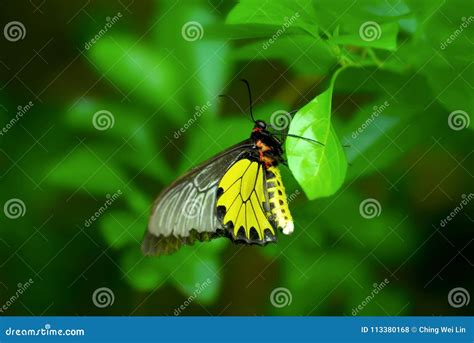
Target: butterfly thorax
(269, 147)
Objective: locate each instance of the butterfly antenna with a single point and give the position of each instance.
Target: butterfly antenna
(305, 138)
(250, 97)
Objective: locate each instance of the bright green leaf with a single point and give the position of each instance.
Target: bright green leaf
(320, 170)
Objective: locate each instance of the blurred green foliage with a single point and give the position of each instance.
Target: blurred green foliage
(156, 80)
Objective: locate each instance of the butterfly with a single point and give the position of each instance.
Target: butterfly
(237, 194)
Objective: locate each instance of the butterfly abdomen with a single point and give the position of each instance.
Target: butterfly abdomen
(278, 201)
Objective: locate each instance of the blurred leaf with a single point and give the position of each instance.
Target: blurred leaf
(320, 170)
(372, 36)
(195, 272)
(188, 269)
(383, 130)
(309, 56)
(122, 227)
(199, 61)
(246, 31)
(143, 273)
(350, 16)
(90, 170)
(388, 233)
(132, 132)
(282, 14)
(142, 72)
(444, 40)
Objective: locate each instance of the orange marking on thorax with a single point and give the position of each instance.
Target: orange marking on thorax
(261, 152)
(263, 147)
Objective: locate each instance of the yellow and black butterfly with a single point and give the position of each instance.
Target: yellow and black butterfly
(237, 194)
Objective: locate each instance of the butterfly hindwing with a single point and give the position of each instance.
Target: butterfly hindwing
(243, 203)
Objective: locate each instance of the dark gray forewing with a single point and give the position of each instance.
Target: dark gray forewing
(189, 203)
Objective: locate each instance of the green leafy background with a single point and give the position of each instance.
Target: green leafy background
(311, 57)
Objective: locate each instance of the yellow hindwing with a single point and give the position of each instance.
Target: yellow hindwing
(243, 197)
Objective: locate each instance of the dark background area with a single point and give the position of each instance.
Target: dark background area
(150, 78)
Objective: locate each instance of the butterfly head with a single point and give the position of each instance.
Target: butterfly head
(260, 131)
(260, 124)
